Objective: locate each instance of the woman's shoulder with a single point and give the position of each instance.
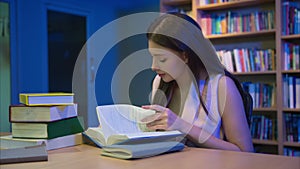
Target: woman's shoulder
(226, 81)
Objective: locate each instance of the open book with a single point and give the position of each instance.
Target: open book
(121, 124)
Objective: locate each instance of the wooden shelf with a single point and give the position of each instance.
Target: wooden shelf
(291, 110)
(242, 34)
(258, 73)
(176, 2)
(265, 109)
(233, 4)
(292, 144)
(291, 71)
(286, 37)
(266, 142)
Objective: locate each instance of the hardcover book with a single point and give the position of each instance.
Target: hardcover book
(23, 113)
(24, 154)
(36, 99)
(8, 142)
(47, 130)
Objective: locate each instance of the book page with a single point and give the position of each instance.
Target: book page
(154, 134)
(122, 119)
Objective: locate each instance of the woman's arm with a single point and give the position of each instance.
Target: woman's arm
(233, 122)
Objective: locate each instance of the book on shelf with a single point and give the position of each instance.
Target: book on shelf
(263, 94)
(263, 127)
(49, 113)
(135, 151)
(291, 56)
(8, 142)
(35, 99)
(248, 60)
(47, 130)
(297, 88)
(290, 151)
(121, 124)
(234, 22)
(291, 88)
(24, 154)
(290, 17)
(292, 127)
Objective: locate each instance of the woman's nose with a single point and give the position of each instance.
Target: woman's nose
(154, 66)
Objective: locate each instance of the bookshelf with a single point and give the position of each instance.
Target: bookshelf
(265, 32)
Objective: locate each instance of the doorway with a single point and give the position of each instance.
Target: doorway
(66, 36)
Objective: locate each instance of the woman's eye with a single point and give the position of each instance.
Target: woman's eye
(162, 60)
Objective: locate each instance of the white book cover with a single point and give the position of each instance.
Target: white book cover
(291, 92)
(237, 60)
(8, 142)
(297, 92)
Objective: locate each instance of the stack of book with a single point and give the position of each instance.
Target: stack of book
(49, 118)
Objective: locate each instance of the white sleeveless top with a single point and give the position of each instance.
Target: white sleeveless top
(194, 113)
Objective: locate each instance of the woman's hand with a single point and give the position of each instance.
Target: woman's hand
(163, 119)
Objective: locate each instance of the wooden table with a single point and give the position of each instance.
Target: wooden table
(88, 157)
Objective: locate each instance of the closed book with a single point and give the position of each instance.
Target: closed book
(24, 154)
(35, 99)
(23, 113)
(8, 142)
(135, 151)
(297, 93)
(47, 130)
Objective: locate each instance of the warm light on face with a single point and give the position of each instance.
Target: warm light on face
(166, 63)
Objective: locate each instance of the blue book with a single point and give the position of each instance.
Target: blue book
(291, 85)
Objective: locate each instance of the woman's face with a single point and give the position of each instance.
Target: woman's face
(167, 63)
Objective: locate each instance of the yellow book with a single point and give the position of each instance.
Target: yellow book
(37, 99)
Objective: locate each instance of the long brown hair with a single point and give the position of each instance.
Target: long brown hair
(194, 62)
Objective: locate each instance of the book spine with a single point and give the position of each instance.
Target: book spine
(64, 127)
(23, 99)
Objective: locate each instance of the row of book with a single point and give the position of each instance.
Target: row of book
(206, 2)
(263, 94)
(290, 17)
(292, 127)
(49, 118)
(248, 60)
(263, 127)
(233, 22)
(291, 56)
(291, 90)
(289, 151)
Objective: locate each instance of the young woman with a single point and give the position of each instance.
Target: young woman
(191, 92)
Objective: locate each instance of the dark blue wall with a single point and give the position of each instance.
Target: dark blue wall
(29, 50)
(30, 62)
